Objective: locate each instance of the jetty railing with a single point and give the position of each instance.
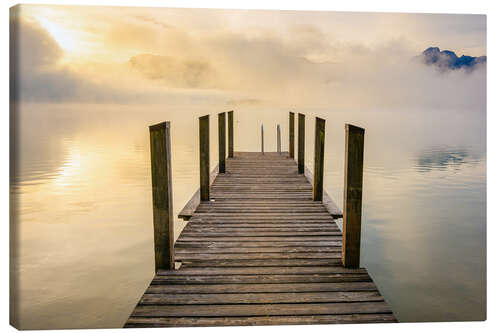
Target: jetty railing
(161, 172)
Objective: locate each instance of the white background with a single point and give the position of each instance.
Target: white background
(419, 6)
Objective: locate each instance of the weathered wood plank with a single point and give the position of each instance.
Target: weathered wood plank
(161, 178)
(353, 193)
(259, 320)
(261, 288)
(259, 309)
(187, 212)
(261, 298)
(230, 134)
(222, 142)
(204, 142)
(253, 279)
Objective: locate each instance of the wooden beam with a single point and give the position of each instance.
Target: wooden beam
(353, 192)
(319, 159)
(188, 210)
(161, 179)
(230, 134)
(291, 135)
(262, 137)
(302, 142)
(222, 142)
(278, 139)
(205, 158)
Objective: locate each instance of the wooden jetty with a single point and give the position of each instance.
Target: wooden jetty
(261, 246)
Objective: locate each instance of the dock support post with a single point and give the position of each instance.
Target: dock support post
(302, 142)
(222, 142)
(291, 135)
(262, 138)
(161, 179)
(353, 192)
(230, 134)
(278, 139)
(319, 159)
(204, 158)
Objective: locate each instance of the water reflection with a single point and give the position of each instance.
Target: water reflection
(442, 157)
(81, 196)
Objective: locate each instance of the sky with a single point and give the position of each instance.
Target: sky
(297, 59)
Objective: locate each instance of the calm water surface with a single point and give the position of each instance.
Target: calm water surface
(82, 216)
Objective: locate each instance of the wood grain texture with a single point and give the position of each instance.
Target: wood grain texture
(204, 138)
(261, 252)
(230, 134)
(222, 142)
(353, 193)
(161, 179)
(291, 135)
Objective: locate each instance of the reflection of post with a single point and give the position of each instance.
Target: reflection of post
(204, 158)
(161, 178)
(302, 142)
(262, 137)
(230, 133)
(291, 135)
(353, 192)
(222, 142)
(319, 158)
(278, 140)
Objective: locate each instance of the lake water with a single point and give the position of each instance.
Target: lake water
(81, 210)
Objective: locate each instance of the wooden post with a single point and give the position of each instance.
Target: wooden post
(353, 190)
(204, 158)
(302, 142)
(291, 135)
(319, 159)
(230, 133)
(161, 178)
(222, 142)
(278, 139)
(262, 137)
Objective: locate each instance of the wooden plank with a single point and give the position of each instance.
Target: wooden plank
(222, 142)
(302, 143)
(182, 243)
(328, 203)
(353, 193)
(319, 159)
(261, 270)
(314, 249)
(261, 298)
(187, 212)
(161, 179)
(291, 135)
(230, 134)
(261, 288)
(204, 158)
(250, 256)
(278, 139)
(259, 309)
(263, 263)
(259, 320)
(253, 279)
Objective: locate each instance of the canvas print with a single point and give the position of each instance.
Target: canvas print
(220, 167)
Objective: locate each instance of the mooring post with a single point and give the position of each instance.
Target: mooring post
(230, 133)
(262, 137)
(302, 142)
(222, 142)
(278, 139)
(161, 179)
(319, 159)
(204, 158)
(291, 135)
(353, 192)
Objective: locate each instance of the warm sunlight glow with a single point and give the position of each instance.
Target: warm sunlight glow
(64, 37)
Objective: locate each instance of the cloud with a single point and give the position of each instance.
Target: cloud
(173, 71)
(447, 60)
(297, 65)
